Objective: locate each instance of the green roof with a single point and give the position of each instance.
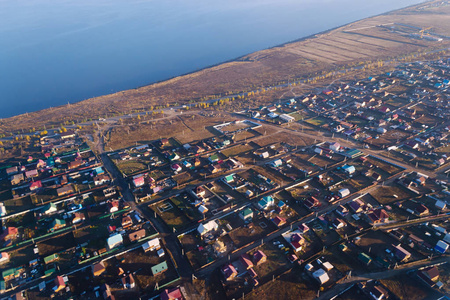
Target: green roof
(49, 271)
(50, 258)
(60, 222)
(214, 157)
(7, 273)
(156, 269)
(12, 271)
(247, 211)
(229, 178)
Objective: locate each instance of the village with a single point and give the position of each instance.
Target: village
(343, 192)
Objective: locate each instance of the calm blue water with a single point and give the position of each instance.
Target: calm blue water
(52, 52)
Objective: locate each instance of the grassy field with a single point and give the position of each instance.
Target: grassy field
(171, 214)
(131, 167)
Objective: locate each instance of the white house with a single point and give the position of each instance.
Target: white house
(114, 241)
(151, 245)
(207, 227)
(335, 146)
(321, 276)
(287, 118)
(344, 193)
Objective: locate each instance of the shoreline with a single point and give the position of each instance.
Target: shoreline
(236, 59)
(239, 74)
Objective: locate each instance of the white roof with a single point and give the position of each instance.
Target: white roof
(114, 239)
(321, 276)
(442, 245)
(202, 209)
(151, 244)
(207, 227)
(327, 265)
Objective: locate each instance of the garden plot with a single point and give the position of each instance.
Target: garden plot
(242, 234)
(173, 216)
(389, 194)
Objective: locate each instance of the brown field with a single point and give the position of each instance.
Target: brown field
(184, 128)
(405, 287)
(342, 48)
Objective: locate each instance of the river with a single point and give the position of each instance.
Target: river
(55, 52)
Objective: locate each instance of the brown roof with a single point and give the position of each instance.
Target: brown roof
(98, 268)
(137, 235)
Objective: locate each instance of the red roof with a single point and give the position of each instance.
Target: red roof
(172, 294)
(246, 261)
(35, 185)
(279, 221)
(258, 255)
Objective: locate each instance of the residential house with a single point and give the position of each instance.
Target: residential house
(51, 258)
(113, 206)
(321, 276)
(311, 202)
(114, 241)
(106, 292)
(401, 253)
(98, 269)
(339, 223)
(12, 273)
(31, 173)
(229, 271)
(430, 275)
(207, 227)
(9, 233)
(377, 216)
(128, 281)
(342, 210)
(343, 192)
(199, 192)
(213, 158)
(137, 235)
(266, 202)
(65, 190)
(159, 268)
(246, 214)
(421, 210)
(57, 224)
(75, 164)
(101, 179)
(127, 222)
(303, 228)
(35, 185)
(172, 294)
(4, 257)
(12, 170)
(151, 245)
(279, 221)
(17, 178)
(259, 257)
(49, 209)
(78, 217)
(246, 261)
(334, 146)
(378, 292)
(349, 169)
(59, 284)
